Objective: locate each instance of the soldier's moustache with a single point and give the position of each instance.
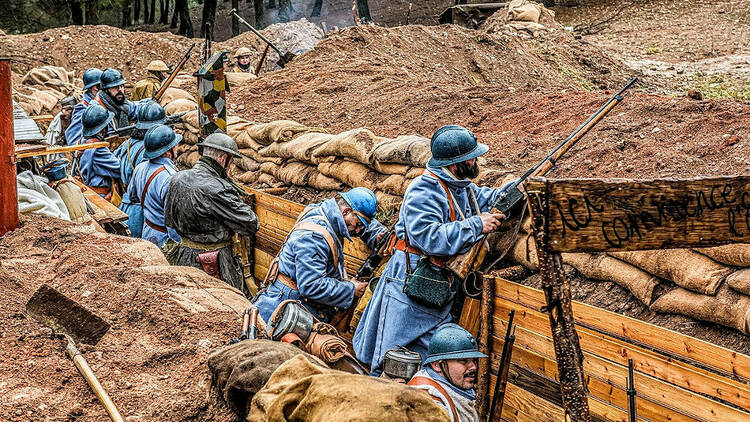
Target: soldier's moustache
(466, 171)
(120, 98)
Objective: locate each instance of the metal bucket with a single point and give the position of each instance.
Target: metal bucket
(295, 319)
(401, 363)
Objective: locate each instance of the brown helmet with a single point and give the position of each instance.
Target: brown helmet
(157, 66)
(242, 51)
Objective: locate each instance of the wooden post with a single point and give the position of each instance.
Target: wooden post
(8, 192)
(485, 345)
(557, 294)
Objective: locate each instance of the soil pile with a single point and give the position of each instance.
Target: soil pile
(164, 323)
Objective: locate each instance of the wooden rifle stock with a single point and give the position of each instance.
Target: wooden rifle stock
(164, 85)
(502, 371)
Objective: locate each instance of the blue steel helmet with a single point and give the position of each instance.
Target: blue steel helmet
(91, 78)
(95, 118)
(453, 144)
(150, 114)
(158, 140)
(363, 202)
(451, 341)
(111, 78)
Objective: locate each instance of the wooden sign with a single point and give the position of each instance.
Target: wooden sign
(589, 215)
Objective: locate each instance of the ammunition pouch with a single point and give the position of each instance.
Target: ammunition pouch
(429, 284)
(210, 262)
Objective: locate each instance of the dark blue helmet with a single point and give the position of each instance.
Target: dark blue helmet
(95, 118)
(451, 341)
(158, 140)
(111, 78)
(91, 78)
(453, 144)
(150, 114)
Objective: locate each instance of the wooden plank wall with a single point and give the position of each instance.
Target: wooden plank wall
(678, 378)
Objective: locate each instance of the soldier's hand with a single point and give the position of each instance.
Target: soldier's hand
(490, 222)
(359, 288)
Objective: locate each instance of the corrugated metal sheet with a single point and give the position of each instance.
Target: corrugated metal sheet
(25, 129)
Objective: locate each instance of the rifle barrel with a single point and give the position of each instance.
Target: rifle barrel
(255, 31)
(510, 338)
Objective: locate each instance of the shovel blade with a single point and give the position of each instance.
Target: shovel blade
(65, 316)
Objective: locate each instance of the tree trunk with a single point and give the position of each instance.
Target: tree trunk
(163, 12)
(136, 12)
(235, 21)
(126, 22)
(285, 10)
(186, 25)
(92, 12)
(271, 4)
(175, 15)
(260, 20)
(364, 11)
(316, 8)
(145, 11)
(460, 2)
(209, 15)
(152, 15)
(76, 12)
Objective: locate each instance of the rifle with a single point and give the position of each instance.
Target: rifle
(632, 417)
(503, 369)
(131, 130)
(511, 196)
(206, 50)
(178, 67)
(283, 58)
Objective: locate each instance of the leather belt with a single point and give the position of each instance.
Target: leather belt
(204, 246)
(400, 245)
(288, 282)
(155, 226)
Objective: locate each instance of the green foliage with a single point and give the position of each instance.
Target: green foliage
(716, 87)
(572, 74)
(653, 50)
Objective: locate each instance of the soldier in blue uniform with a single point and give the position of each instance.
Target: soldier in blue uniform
(131, 153)
(443, 214)
(112, 97)
(91, 83)
(311, 261)
(151, 180)
(98, 166)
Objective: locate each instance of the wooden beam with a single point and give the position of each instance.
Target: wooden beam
(112, 213)
(621, 214)
(58, 150)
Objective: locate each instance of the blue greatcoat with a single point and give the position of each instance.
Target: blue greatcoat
(74, 132)
(306, 258)
(127, 165)
(391, 319)
(98, 166)
(153, 203)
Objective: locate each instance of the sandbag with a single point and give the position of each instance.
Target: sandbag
(247, 163)
(412, 150)
(269, 180)
(184, 147)
(269, 168)
(685, 267)
(189, 159)
(172, 94)
(74, 200)
(391, 168)
(736, 254)
(300, 148)
(48, 101)
(294, 173)
(31, 105)
(524, 252)
(39, 75)
(239, 78)
(740, 281)
(248, 177)
(351, 173)
(522, 10)
(239, 371)
(276, 131)
(394, 184)
(191, 119)
(354, 145)
(244, 140)
(189, 138)
(179, 105)
(319, 181)
(604, 267)
(727, 307)
(236, 125)
(386, 200)
(302, 390)
(255, 155)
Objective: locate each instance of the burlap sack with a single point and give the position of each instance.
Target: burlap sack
(391, 168)
(269, 168)
(394, 184)
(255, 155)
(414, 172)
(239, 371)
(685, 267)
(191, 119)
(320, 181)
(189, 159)
(29, 104)
(736, 254)
(277, 131)
(294, 173)
(247, 164)
(248, 177)
(185, 147)
(523, 10)
(74, 200)
(302, 390)
(412, 150)
(354, 145)
(172, 94)
(239, 78)
(604, 267)
(727, 307)
(40, 75)
(386, 200)
(189, 138)
(179, 105)
(269, 180)
(524, 252)
(351, 173)
(236, 125)
(244, 140)
(738, 280)
(48, 100)
(300, 148)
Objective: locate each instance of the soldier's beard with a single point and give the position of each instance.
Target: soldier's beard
(119, 98)
(466, 172)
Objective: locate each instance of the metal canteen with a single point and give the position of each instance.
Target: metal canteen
(401, 363)
(295, 319)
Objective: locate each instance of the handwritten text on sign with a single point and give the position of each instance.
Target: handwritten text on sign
(621, 214)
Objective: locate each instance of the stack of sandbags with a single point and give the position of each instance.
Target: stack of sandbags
(42, 88)
(53, 77)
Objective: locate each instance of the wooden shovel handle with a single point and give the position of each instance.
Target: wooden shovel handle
(88, 374)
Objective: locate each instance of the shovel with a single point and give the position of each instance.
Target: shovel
(284, 58)
(69, 319)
